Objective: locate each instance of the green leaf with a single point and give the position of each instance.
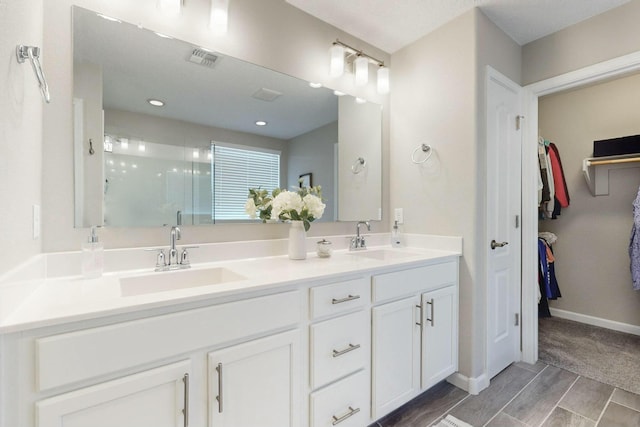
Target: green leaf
(307, 226)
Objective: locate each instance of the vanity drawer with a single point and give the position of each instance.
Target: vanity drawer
(339, 297)
(338, 347)
(81, 355)
(400, 283)
(345, 403)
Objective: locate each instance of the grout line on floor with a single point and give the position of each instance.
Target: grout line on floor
(560, 400)
(606, 406)
(449, 410)
(516, 395)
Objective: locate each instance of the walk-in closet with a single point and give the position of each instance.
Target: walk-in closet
(591, 236)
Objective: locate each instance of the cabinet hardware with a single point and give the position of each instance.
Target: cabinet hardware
(338, 420)
(430, 302)
(351, 347)
(517, 319)
(495, 244)
(419, 307)
(185, 411)
(341, 300)
(219, 396)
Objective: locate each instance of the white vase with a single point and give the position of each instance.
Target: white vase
(297, 241)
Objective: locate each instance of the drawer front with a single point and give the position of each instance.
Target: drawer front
(344, 404)
(76, 356)
(339, 297)
(339, 347)
(415, 280)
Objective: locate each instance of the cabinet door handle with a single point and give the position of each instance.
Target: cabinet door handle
(185, 411)
(430, 302)
(219, 396)
(351, 347)
(338, 420)
(419, 307)
(341, 300)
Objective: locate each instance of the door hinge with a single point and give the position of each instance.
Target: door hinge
(517, 319)
(519, 121)
(517, 221)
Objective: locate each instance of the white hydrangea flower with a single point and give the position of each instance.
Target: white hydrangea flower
(250, 208)
(284, 202)
(314, 205)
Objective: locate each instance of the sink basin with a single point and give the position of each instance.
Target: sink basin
(173, 280)
(383, 254)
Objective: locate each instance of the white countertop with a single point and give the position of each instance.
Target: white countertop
(53, 301)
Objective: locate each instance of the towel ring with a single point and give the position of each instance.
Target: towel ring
(358, 166)
(425, 149)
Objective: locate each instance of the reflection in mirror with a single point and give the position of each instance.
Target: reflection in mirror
(192, 159)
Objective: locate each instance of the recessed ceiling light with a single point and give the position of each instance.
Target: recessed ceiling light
(108, 18)
(261, 123)
(156, 102)
(315, 85)
(338, 93)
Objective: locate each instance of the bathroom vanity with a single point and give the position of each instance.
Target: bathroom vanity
(249, 342)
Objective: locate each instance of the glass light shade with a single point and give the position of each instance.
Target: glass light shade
(219, 18)
(383, 80)
(336, 65)
(362, 71)
(170, 7)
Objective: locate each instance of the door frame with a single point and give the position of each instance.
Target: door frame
(616, 67)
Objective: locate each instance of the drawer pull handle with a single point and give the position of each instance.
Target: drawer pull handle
(338, 420)
(419, 307)
(430, 302)
(185, 411)
(341, 300)
(351, 347)
(219, 396)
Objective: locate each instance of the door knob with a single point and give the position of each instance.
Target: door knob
(495, 244)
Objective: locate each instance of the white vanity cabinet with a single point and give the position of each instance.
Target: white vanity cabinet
(339, 355)
(154, 398)
(160, 371)
(256, 383)
(415, 332)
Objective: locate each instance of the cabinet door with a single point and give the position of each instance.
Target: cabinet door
(440, 335)
(154, 398)
(256, 384)
(396, 354)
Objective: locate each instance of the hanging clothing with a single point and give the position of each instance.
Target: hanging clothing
(561, 191)
(634, 244)
(546, 261)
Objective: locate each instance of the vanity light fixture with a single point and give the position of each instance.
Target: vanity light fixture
(156, 102)
(341, 53)
(170, 7)
(209, 155)
(124, 143)
(196, 153)
(219, 16)
(315, 85)
(142, 147)
(361, 100)
(261, 123)
(338, 93)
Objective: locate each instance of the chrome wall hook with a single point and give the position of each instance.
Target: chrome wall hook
(33, 54)
(358, 166)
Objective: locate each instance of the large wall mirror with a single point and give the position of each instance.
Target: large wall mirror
(224, 126)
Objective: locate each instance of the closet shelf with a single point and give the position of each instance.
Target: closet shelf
(596, 170)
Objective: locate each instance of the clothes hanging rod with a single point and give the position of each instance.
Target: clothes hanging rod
(614, 161)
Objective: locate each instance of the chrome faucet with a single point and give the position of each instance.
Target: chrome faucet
(174, 262)
(358, 243)
(173, 252)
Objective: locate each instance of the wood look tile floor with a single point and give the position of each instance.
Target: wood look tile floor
(524, 395)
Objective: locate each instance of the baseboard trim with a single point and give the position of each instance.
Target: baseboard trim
(595, 321)
(470, 385)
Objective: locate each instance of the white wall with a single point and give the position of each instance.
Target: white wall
(437, 96)
(270, 33)
(21, 107)
(592, 260)
(313, 152)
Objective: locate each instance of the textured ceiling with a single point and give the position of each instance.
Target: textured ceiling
(393, 24)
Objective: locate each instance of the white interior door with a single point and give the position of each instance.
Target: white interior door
(503, 246)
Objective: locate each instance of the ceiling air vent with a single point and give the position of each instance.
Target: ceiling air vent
(202, 57)
(268, 95)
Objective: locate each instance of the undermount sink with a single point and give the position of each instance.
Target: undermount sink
(174, 280)
(383, 254)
